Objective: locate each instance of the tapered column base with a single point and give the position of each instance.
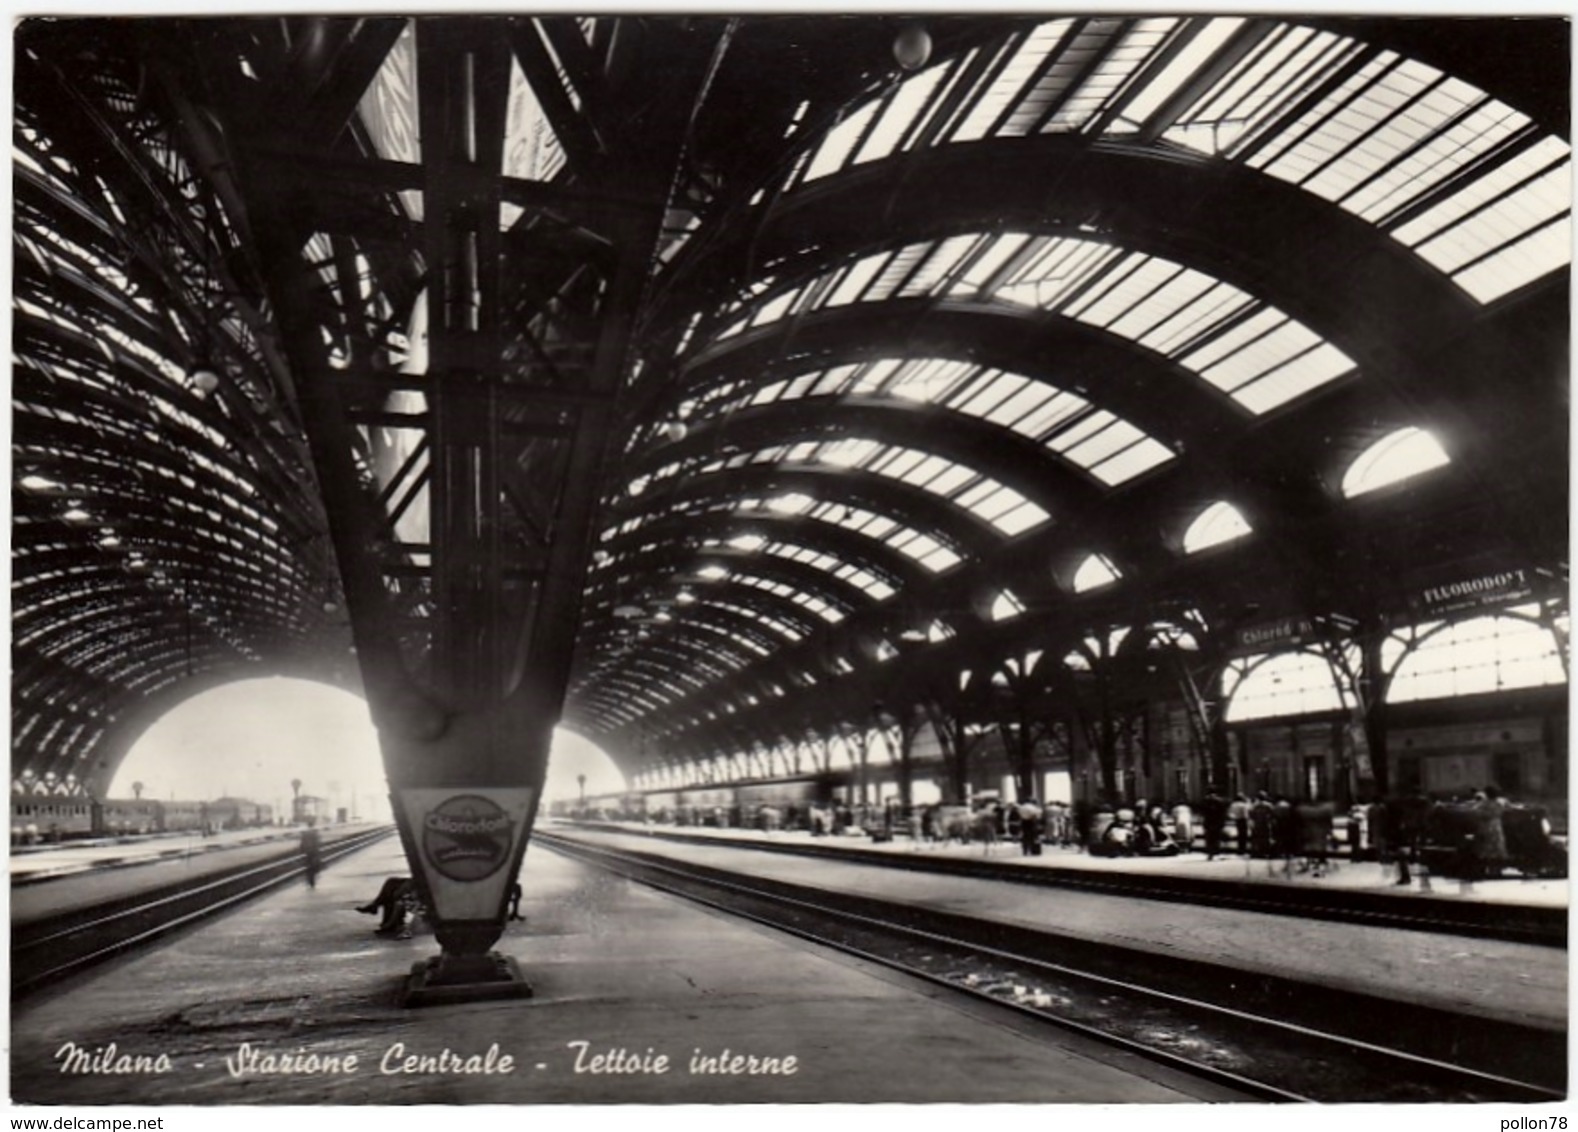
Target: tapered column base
(464, 978)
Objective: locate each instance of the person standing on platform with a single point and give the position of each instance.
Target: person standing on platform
(1183, 827)
(1489, 848)
(1262, 833)
(1030, 829)
(1238, 812)
(311, 853)
(1214, 813)
(1285, 835)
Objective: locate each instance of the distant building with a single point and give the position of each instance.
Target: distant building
(238, 813)
(309, 806)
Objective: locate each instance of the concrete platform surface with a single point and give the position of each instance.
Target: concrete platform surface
(269, 1004)
(1342, 875)
(1515, 981)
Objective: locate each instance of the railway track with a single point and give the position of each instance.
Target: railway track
(53, 948)
(1270, 1038)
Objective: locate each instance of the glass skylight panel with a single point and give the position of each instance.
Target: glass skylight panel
(1262, 85)
(1111, 437)
(773, 309)
(1265, 344)
(856, 278)
(897, 270)
(845, 453)
(1519, 263)
(931, 380)
(1141, 456)
(1507, 240)
(1305, 144)
(948, 478)
(1230, 338)
(854, 575)
(1025, 397)
(899, 112)
(836, 147)
(1053, 269)
(783, 628)
(1433, 159)
(1510, 178)
(1051, 413)
(1401, 132)
(940, 264)
(1116, 67)
(1133, 285)
(1299, 376)
(1173, 298)
(1214, 307)
(389, 112)
(1005, 86)
(866, 581)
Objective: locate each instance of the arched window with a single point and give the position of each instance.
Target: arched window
(1221, 522)
(1093, 573)
(1485, 654)
(1401, 455)
(1267, 687)
(1007, 605)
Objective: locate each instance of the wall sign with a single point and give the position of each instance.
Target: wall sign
(1503, 587)
(1269, 636)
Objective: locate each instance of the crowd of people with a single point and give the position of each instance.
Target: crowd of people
(1466, 836)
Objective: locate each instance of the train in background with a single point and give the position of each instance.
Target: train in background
(39, 818)
(795, 800)
(1442, 751)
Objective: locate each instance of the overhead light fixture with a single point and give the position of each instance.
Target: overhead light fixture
(205, 379)
(76, 515)
(37, 484)
(912, 47)
(676, 431)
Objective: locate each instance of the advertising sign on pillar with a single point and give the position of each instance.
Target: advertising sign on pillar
(466, 839)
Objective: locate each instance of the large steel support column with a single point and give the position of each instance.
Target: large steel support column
(464, 595)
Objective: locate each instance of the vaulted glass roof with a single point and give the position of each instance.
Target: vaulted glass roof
(998, 504)
(891, 354)
(1243, 347)
(1468, 182)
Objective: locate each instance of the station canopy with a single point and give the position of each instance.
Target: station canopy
(1065, 325)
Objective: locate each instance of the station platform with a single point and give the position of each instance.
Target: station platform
(90, 877)
(32, 864)
(1517, 982)
(1341, 874)
(267, 1004)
